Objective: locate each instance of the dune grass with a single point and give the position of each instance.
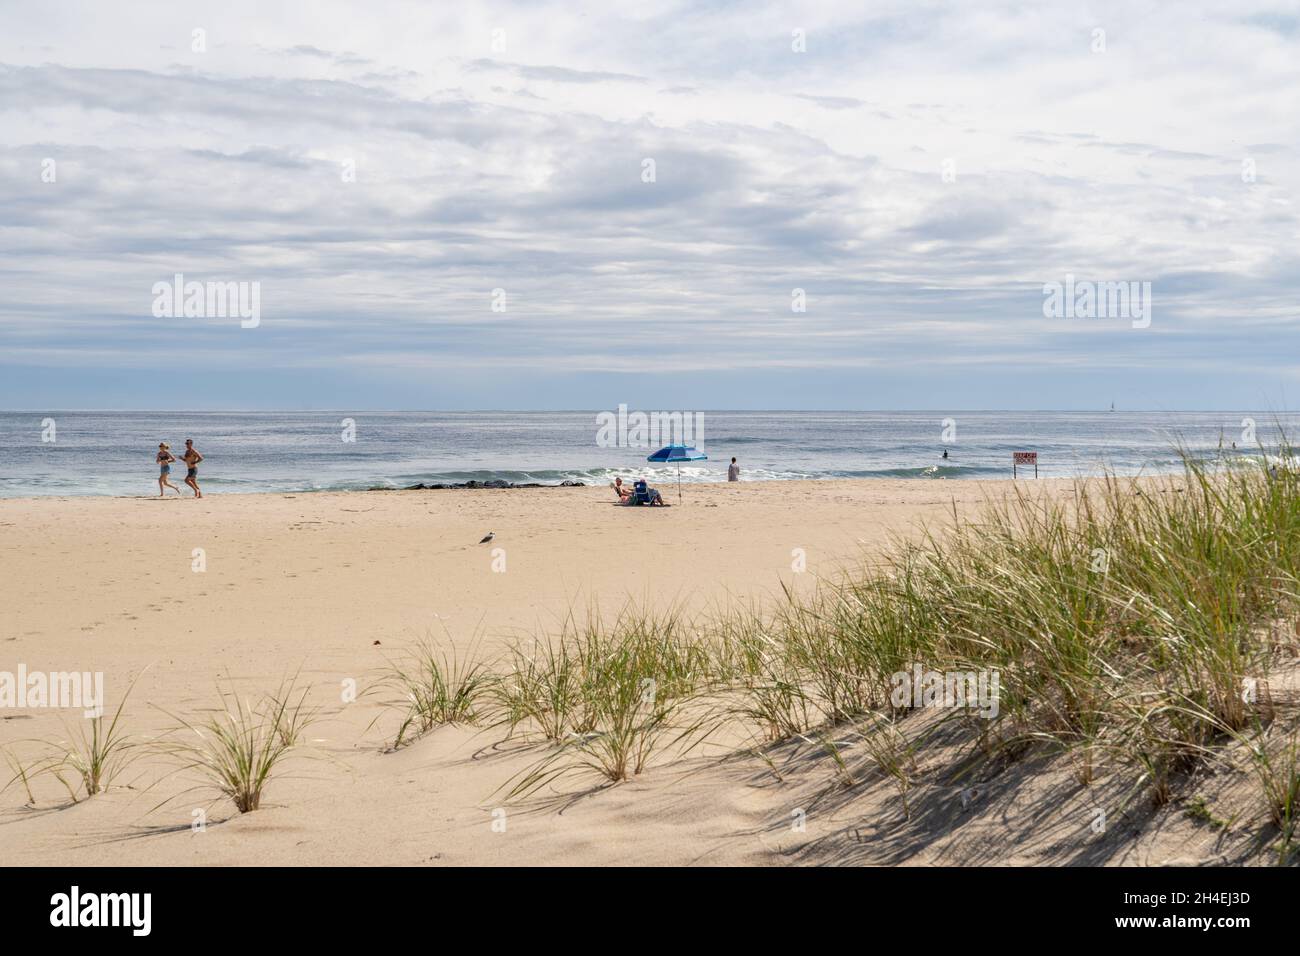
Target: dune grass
(437, 688)
(238, 750)
(1132, 625)
(1126, 622)
(95, 756)
(892, 753)
(543, 689)
(606, 697)
(22, 773)
(86, 761)
(1277, 767)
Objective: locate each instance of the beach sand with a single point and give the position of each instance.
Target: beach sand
(331, 586)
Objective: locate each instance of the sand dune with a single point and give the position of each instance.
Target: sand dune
(331, 585)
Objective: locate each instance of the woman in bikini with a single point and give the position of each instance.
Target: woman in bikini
(164, 458)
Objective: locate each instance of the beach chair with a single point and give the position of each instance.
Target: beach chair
(644, 494)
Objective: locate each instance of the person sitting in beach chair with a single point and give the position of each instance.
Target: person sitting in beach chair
(622, 490)
(645, 495)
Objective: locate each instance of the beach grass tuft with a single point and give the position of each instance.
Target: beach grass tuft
(438, 687)
(86, 762)
(609, 696)
(1277, 767)
(22, 773)
(240, 748)
(95, 756)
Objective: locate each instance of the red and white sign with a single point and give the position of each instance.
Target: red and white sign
(1019, 458)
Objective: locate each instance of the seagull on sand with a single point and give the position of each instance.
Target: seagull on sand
(488, 537)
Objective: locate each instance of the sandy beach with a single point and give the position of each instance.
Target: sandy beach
(337, 353)
(332, 586)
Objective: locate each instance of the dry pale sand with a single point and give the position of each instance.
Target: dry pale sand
(332, 585)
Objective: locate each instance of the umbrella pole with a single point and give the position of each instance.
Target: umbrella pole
(679, 484)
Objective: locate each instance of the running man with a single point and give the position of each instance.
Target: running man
(191, 457)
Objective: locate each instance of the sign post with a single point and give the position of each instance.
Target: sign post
(1024, 458)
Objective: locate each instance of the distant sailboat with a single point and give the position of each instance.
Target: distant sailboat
(1112, 406)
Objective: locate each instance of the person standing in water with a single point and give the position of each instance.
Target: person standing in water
(733, 471)
(164, 458)
(192, 459)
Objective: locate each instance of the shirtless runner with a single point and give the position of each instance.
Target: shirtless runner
(191, 457)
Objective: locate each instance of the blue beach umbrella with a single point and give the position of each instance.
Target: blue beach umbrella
(678, 454)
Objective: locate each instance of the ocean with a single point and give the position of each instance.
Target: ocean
(112, 453)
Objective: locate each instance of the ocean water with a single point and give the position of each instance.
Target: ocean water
(112, 453)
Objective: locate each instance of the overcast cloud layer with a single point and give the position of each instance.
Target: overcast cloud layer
(514, 160)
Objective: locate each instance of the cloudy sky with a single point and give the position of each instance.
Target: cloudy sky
(919, 169)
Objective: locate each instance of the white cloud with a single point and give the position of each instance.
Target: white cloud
(522, 169)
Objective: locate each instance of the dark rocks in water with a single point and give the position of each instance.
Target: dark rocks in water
(489, 483)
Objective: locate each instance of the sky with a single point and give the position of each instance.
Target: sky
(568, 205)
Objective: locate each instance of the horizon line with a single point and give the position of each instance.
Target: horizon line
(554, 411)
